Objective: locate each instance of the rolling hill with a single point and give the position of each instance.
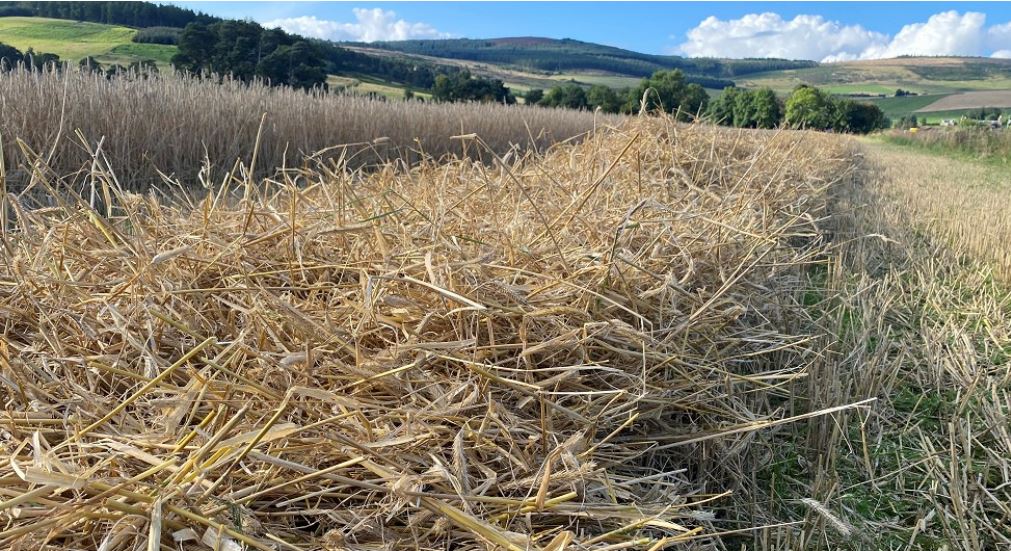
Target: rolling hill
(932, 79)
(75, 40)
(564, 55)
(941, 86)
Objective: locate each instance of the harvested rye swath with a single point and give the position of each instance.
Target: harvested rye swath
(566, 350)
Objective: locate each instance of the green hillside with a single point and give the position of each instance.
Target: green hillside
(74, 40)
(547, 55)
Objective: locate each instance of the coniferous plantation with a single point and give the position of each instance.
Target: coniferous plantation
(243, 308)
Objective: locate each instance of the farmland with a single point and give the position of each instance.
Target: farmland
(971, 82)
(73, 40)
(968, 100)
(230, 116)
(468, 325)
(525, 291)
(237, 314)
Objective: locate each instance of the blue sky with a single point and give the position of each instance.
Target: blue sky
(812, 30)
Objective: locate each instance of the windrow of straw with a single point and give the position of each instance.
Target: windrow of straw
(173, 123)
(567, 350)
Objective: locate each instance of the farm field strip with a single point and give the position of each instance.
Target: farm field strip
(969, 100)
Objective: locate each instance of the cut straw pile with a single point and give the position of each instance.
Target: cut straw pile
(567, 350)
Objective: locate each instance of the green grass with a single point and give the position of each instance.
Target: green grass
(612, 81)
(71, 40)
(124, 54)
(75, 40)
(859, 88)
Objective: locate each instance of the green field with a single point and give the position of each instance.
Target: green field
(859, 88)
(74, 40)
(612, 81)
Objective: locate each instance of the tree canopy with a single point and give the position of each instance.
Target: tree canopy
(811, 108)
(132, 14)
(669, 92)
(246, 51)
(462, 86)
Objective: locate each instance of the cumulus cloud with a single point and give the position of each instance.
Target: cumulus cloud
(947, 33)
(370, 25)
(769, 35)
(814, 37)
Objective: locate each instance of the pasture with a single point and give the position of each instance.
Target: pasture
(74, 40)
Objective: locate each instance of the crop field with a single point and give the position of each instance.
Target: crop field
(236, 317)
(73, 40)
(969, 100)
(925, 75)
(231, 117)
(895, 107)
(421, 346)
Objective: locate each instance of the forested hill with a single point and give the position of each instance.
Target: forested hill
(130, 14)
(553, 55)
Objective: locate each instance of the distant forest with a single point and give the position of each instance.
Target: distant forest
(548, 55)
(130, 14)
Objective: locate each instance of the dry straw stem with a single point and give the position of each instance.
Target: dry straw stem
(964, 204)
(401, 358)
(917, 307)
(172, 124)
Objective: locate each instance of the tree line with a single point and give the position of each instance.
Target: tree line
(131, 14)
(670, 91)
(806, 107)
(246, 51)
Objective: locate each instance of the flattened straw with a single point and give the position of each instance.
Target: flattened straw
(143, 390)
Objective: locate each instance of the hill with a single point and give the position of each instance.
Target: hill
(931, 79)
(561, 56)
(74, 40)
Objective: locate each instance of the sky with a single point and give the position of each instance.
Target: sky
(822, 31)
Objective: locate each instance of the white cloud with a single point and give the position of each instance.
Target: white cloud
(1002, 54)
(769, 35)
(946, 33)
(370, 25)
(814, 37)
